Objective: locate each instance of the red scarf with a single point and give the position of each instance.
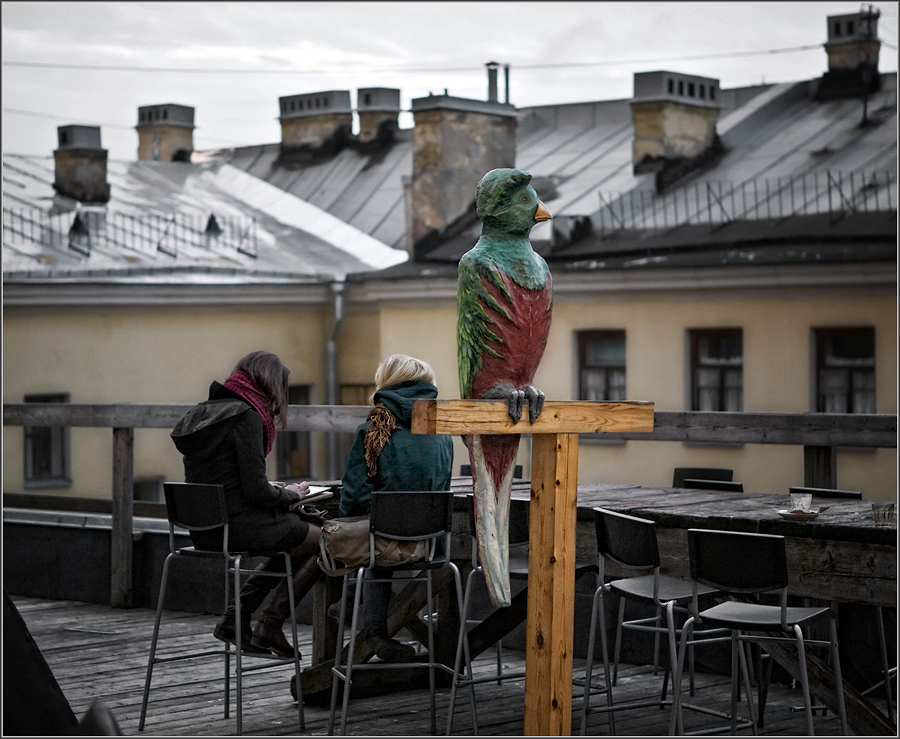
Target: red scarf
(242, 384)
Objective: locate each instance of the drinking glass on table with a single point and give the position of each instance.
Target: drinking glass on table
(883, 513)
(801, 502)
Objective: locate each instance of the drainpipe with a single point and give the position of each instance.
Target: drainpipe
(331, 393)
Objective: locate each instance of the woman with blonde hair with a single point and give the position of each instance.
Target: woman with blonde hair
(386, 455)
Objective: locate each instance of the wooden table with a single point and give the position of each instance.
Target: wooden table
(840, 556)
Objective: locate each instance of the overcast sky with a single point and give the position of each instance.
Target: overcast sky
(232, 61)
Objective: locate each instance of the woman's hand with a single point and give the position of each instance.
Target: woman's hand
(301, 488)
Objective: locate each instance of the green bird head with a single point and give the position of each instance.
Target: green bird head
(507, 203)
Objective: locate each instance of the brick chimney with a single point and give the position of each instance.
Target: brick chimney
(455, 141)
(853, 48)
(81, 164)
(313, 118)
(165, 132)
(378, 108)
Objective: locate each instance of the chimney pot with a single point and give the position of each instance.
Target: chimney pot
(80, 164)
(492, 81)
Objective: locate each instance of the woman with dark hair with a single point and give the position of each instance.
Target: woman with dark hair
(386, 455)
(225, 441)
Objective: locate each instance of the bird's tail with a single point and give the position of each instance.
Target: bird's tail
(493, 459)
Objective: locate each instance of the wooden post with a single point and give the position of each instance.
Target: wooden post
(120, 588)
(820, 466)
(551, 572)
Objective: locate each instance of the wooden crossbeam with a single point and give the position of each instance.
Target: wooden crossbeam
(551, 570)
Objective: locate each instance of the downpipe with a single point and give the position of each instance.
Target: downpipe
(331, 384)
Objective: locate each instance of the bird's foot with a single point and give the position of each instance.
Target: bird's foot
(515, 400)
(535, 400)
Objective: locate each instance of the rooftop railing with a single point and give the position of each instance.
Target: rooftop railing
(819, 433)
(89, 229)
(717, 204)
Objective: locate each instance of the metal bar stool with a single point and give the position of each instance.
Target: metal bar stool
(409, 516)
(195, 507)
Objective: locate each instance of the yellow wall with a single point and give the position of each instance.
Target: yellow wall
(153, 355)
(170, 355)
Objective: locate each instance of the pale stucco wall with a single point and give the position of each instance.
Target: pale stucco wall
(777, 333)
(142, 356)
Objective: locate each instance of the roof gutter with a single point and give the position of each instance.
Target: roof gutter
(337, 292)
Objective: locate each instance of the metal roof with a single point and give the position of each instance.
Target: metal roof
(156, 226)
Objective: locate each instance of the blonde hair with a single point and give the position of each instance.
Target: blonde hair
(402, 368)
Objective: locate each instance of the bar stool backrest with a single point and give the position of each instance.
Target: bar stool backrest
(702, 473)
(626, 540)
(737, 562)
(828, 492)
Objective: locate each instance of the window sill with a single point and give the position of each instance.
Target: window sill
(39, 484)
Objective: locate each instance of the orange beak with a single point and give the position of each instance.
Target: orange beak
(542, 214)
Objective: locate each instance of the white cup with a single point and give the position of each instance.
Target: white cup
(801, 502)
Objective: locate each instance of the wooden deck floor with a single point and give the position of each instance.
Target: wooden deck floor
(97, 652)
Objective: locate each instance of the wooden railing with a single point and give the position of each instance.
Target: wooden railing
(820, 434)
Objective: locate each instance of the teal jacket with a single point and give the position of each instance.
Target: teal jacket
(407, 462)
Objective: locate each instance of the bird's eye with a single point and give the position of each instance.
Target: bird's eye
(524, 198)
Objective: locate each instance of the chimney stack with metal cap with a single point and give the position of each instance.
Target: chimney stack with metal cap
(81, 164)
(853, 48)
(313, 118)
(378, 109)
(165, 133)
(674, 119)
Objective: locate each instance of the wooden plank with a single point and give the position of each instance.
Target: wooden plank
(551, 586)
(166, 415)
(812, 429)
(815, 429)
(557, 417)
(121, 593)
(820, 466)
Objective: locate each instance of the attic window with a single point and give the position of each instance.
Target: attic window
(671, 86)
(681, 87)
(703, 92)
(690, 89)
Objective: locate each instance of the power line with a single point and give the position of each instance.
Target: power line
(565, 65)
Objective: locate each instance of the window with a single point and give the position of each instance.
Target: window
(681, 87)
(845, 370)
(849, 28)
(165, 114)
(712, 92)
(63, 138)
(367, 99)
(293, 447)
(671, 86)
(601, 364)
(837, 29)
(703, 92)
(47, 449)
(717, 370)
(690, 89)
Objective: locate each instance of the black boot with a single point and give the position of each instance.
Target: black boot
(390, 650)
(253, 593)
(268, 633)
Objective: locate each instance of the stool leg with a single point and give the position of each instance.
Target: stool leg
(237, 643)
(153, 641)
(461, 651)
(431, 677)
(289, 575)
(615, 675)
(350, 655)
(885, 666)
(335, 677)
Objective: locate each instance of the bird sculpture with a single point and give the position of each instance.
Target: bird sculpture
(504, 301)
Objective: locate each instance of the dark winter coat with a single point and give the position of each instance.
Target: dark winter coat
(223, 442)
(407, 462)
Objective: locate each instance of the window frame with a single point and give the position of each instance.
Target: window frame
(695, 337)
(583, 338)
(58, 438)
(821, 335)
